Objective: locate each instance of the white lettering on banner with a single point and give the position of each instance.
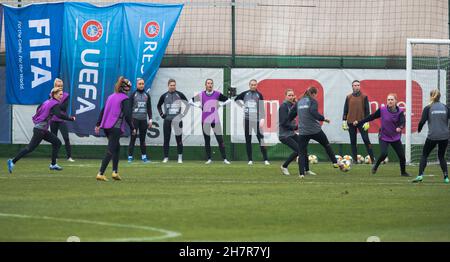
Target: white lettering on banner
(150, 46)
(40, 75)
(87, 76)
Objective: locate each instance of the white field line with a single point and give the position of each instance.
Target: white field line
(166, 233)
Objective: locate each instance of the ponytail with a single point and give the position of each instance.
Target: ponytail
(435, 96)
(310, 91)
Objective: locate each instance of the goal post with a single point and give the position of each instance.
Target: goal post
(427, 59)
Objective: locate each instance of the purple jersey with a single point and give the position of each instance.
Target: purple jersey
(390, 122)
(42, 116)
(113, 110)
(63, 99)
(210, 106)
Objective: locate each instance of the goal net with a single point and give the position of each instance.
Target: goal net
(427, 64)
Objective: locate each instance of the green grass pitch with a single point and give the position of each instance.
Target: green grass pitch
(195, 202)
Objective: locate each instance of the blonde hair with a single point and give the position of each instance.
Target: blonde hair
(57, 80)
(287, 91)
(54, 91)
(435, 96)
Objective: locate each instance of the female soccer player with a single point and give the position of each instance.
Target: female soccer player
(286, 132)
(209, 100)
(172, 101)
(44, 113)
(309, 127)
(141, 108)
(254, 113)
(57, 123)
(392, 123)
(112, 120)
(437, 115)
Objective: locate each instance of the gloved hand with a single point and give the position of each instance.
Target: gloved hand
(366, 126)
(344, 125)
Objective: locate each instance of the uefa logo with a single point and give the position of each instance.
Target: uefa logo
(92, 30)
(151, 29)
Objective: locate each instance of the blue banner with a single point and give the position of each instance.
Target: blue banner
(5, 111)
(90, 60)
(146, 33)
(33, 37)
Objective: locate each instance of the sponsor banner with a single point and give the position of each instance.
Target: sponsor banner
(90, 60)
(190, 81)
(146, 33)
(33, 45)
(334, 85)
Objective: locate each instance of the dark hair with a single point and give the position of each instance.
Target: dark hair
(170, 81)
(208, 79)
(310, 91)
(355, 81)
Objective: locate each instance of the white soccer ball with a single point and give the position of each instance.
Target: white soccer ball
(385, 161)
(313, 159)
(360, 159)
(348, 157)
(346, 165)
(367, 160)
(338, 157)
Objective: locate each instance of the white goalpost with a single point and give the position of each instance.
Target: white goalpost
(427, 64)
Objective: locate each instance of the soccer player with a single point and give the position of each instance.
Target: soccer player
(436, 114)
(57, 123)
(286, 132)
(44, 113)
(172, 115)
(309, 127)
(357, 107)
(209, 100)
(112, 120)
(254, 113)
(141, 108)
(392, 123)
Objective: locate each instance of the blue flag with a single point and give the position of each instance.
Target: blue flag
(90, 60)
(33, 46)
(146, 33)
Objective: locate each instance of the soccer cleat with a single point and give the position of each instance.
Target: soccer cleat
(116, 176)
(70, 159)
(146, 160)
(208, 162)
(405, 174)
(180, 159)
(266, 162)
(10, 165)
(301, 176)
(336, 165)
(310, 173)
(226, 162)
(130, 159)
(250, 163)
(55, 167)
(165, 160)
(446, 180)
(285, 171)
(100, 177)
(373, 170)
(417, 179)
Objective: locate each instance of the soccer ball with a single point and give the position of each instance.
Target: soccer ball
(348, 157)
(313, 159)
(385, 161)
(346, 165)
(338, 158)
(359, 159)
(367, 160)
